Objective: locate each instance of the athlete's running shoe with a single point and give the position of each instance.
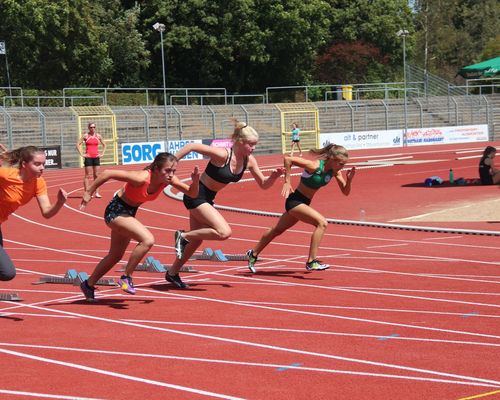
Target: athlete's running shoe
(316, 265)
(180, 244)
(176, 280)
(88, 292)
(126, 284)
(252, 259)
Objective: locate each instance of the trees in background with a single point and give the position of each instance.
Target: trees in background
(451, 34)
(241, 45)
(362, 45)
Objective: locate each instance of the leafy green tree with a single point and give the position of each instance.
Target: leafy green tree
(491, 49)
(52, 44)
(244, 45)
(362, 45)
(126, 47)
(454, 33)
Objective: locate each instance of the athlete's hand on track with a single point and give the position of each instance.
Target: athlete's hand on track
(85, 200)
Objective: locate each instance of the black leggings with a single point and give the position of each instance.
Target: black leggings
(7, 269)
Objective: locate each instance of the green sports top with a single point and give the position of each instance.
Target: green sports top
(318, 178)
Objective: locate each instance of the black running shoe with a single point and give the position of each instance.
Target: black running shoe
(180, 244)
(88, 292)
(176, 280)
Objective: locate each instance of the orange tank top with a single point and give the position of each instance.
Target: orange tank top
(15, 193)
(139, 194)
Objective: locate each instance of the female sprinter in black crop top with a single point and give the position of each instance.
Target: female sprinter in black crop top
(225, 166)
(317, 173)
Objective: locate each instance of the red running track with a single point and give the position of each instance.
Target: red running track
(399, 315)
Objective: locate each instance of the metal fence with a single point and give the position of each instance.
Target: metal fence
(58, 125)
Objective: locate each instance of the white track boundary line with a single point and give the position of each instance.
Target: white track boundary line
(269, 347)
(119, 375)
(246, 363)
(44, 395)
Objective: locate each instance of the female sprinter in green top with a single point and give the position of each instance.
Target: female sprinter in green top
(317, 173)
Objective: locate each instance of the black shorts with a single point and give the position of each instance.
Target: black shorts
(295, 199)
(487, 180)
(205, 195)
(296, 141)
(117, 207)
(92, 162)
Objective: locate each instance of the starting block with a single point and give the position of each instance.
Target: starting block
(72, 277)
(152, 264)
(210, 255)
(218, 255)
(10, 297)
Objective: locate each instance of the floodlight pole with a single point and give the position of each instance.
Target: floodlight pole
(3, 50)
(403, 33)
(161, 28)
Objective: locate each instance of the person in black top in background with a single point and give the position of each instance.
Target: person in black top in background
(488, 173)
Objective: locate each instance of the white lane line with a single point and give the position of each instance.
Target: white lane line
(387, 245)
(119, 375)
(266, 346)
(342, 317)
(378, 271)
(44, 395)
(377, 238)
(246, 363)
(315, 332)
(468, 157)
(386, 310)
(445, 238)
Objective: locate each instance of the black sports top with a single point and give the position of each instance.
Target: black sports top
(484, 173)
(223, 174)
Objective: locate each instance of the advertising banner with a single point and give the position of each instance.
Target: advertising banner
(364, 140)
(447, 134)
(52, 156)
(140, 153)
(175, 145)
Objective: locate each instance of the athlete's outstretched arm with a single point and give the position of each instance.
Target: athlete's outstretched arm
(47, 209)
(190, 190)
(135, 178)
(263, 181)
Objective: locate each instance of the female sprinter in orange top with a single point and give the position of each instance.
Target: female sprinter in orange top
(19, 183)
(140, 186)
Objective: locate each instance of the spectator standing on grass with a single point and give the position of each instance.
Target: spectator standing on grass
(21, 181)
(225, 166)
(488, 173)
(317, 173)
(91, 156)
(140, 186)
(295, 139)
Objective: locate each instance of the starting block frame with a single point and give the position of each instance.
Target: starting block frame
(10, 297)
(217, 255)
(72, 277)
(152, 264)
